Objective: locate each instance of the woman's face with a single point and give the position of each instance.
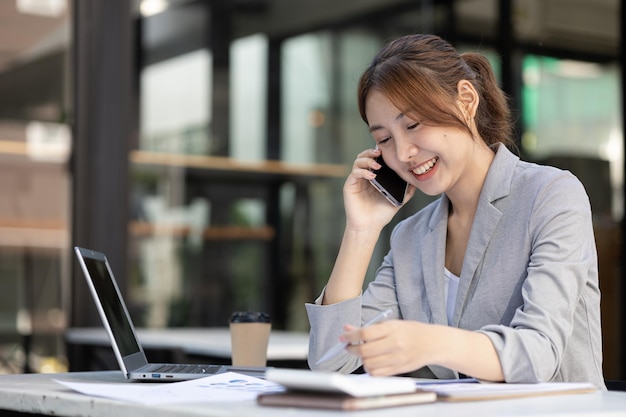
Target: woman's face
(435, 159)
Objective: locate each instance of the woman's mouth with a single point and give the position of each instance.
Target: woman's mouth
(425, 167)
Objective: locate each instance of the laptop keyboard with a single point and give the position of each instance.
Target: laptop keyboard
(186, 369)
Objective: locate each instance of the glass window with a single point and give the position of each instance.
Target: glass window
(571, 117)
(199, 230)
(175, 105)
(248, 104)
(35, 186)
(306, 88)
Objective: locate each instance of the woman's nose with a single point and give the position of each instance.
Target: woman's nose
(406, 150)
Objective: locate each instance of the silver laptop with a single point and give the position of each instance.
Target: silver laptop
(127, 348)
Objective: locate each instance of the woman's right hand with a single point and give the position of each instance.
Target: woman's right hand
(367, 212)
(365, 206)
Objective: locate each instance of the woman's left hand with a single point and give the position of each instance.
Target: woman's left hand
(397, 347)
(392, 347)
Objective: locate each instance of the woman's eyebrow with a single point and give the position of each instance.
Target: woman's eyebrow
(378, 127)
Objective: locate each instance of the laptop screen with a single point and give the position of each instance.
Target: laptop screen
(112, 306)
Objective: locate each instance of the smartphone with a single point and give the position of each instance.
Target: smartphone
(389, 183)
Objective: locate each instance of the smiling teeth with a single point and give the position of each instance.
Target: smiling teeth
(424, 168)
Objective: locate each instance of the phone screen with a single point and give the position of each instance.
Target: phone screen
(389, 183)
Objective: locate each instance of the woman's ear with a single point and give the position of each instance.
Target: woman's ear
(467, 98)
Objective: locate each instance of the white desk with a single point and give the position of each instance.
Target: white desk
(40, 395)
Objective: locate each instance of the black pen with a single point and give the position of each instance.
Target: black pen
(339, 347)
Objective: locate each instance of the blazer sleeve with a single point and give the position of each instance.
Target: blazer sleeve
(326, 326)
(561, 274)
(327, 321)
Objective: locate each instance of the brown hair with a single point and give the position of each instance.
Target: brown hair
(419, 74)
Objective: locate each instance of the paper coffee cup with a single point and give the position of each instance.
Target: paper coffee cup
(249, 337)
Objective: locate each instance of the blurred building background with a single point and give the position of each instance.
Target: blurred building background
(202, 145)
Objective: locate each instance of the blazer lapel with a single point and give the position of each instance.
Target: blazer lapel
(433, 256)
(482, 230)
(497, 185)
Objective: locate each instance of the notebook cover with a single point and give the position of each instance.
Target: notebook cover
(337, 401)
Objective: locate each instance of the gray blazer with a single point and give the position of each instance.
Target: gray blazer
(529, 279)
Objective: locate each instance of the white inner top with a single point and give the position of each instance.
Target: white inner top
(452, 287)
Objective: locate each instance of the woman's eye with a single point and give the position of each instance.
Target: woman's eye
(383, 140)
(413, 126)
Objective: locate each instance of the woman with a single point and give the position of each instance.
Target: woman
(498, 278)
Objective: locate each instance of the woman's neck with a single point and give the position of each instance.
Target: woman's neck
(464, 195)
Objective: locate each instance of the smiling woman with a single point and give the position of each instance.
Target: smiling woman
(249, 107)
(498, 278)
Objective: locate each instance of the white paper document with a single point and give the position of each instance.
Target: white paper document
(485, 390)
(226, 387)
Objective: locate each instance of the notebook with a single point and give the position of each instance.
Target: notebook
(128, 350)
(333, 390)
(338, 401)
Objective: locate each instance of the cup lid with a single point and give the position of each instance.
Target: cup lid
(250, 317)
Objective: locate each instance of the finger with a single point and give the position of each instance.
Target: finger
(378, 356)
(375, 331)
(352, 335)
(380, 364)
(366, 159)
(369, 153)
(363, 172)
(359, 335)
(369, 348)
